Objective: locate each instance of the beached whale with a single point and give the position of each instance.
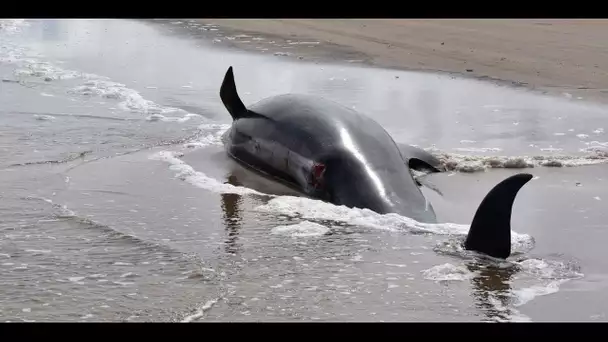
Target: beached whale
(333, 153)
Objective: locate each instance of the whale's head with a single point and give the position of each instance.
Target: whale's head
(384, 187)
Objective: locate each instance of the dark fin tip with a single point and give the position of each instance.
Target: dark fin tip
(490, 231)
(230, 96)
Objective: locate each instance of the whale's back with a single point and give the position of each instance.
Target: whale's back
(317, 125)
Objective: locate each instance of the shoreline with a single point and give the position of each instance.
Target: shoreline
(564, 58)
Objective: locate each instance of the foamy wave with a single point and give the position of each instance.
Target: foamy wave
(527, 294)
(549, 275)
(201, 311)
(10, 52)
(60, 211)
(302, 229)
(186, 173)
(478, 149)
(29, 65)
(310, 209)
(544, 270)
(597, 154)
(212, 136)
(448, 272)
(12, 25)
(47, 71)
(598, 148)
(160, 117)
(454, 246)
(131, 100)
(550, 269)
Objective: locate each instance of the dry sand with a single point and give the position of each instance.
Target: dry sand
(556, 56)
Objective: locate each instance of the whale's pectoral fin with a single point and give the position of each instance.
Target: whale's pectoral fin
(422, 181)
(419, 159)
(232, 101)
(490, 231)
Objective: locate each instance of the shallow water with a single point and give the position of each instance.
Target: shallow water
(118, 202)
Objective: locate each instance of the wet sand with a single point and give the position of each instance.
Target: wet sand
(564, 57)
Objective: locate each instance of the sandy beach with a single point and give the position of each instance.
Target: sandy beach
(562, 57)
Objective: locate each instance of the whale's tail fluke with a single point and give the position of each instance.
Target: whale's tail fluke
(230, 97)
(490, 231)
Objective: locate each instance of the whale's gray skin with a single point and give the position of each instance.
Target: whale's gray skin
(333, 153)
(358, 164)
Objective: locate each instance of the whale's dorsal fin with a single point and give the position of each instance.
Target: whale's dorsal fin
(232, 101)
(490, 231)
(230, 97)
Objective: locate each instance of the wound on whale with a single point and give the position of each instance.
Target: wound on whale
(333, 153)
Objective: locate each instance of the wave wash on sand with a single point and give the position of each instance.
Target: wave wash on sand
(312, 219)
